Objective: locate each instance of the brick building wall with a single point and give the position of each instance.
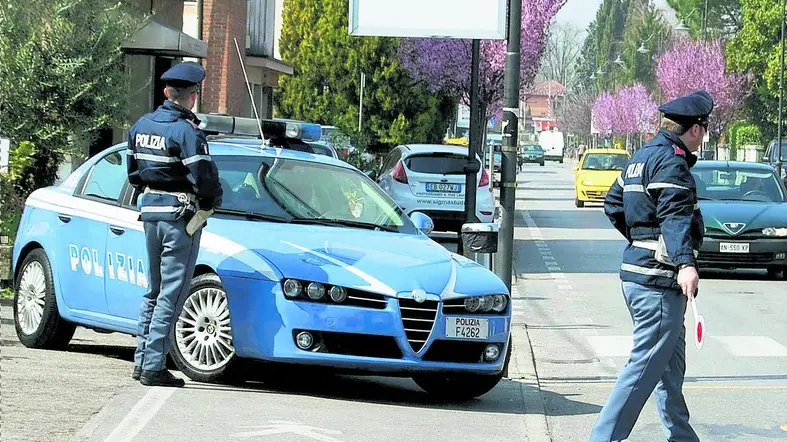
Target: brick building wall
(224, 89)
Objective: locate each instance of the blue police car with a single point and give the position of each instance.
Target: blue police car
(307, 261)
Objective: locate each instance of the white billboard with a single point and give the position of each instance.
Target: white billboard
(466, 19)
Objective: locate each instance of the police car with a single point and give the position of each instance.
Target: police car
(307, 261)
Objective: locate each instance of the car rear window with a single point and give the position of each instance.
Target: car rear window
(437, 163)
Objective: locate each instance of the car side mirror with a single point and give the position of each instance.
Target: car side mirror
(371, 174)
(575, 168)
(422, 222)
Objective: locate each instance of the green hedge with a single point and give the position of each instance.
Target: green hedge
(747, 135)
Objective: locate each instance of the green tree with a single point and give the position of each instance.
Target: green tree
(603, 45)
(327, 84)
(645, 27)
(724, 17)
(62, 78)
(756, 48)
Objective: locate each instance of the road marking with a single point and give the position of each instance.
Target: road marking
(752, 346)
(611, 346)
(139, 416)
(288, 427)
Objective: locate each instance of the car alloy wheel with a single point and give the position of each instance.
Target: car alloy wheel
(203, 332)
(30, 300)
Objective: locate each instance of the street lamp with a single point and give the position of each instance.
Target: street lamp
(618, 61)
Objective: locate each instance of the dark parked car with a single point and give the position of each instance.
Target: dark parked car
(745, 212)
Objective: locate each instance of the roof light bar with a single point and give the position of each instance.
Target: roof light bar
(222, 124)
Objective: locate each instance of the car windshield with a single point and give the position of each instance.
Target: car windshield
(533, 149)
(731, 184)
(290, 190)
(604, 161)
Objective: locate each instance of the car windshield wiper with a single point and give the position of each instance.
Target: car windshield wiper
(343, 223)
(253, 215)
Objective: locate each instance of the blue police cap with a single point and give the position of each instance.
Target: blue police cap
(694, 108)
(184, 74)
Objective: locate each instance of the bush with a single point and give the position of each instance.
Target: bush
(748, 135)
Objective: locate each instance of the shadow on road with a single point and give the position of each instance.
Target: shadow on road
(578, 219)
(572, 256)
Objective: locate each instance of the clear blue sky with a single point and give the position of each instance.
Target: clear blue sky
(581, 12)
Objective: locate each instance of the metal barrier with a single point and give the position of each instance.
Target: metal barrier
(480, 242)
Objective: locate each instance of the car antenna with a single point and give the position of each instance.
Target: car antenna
(248, 88)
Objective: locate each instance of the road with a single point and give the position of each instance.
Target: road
(567, 306)
(580, 330)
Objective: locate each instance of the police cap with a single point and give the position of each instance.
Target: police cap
(184, 74)
(689, 110)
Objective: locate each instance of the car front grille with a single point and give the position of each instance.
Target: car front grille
(748, 258)
(418, 320)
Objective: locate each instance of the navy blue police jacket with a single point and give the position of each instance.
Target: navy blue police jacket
(169, 163)
(656, 195)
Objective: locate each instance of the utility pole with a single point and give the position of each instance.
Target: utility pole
(781, 100)
(476, 137)
(505, 255)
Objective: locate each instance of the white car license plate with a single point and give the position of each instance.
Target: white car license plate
(733, 247)
(443, 187)
(467, 328)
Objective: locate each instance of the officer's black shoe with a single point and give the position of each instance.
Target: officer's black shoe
(137, 373)
(161, 378)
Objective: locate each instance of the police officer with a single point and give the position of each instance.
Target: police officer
(654, 205)
(171, 168)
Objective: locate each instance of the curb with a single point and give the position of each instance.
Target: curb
(524, 372)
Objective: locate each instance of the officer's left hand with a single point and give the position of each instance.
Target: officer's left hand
(688, 279)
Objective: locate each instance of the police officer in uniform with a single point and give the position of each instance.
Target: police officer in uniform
(654, 205)
(170, 166)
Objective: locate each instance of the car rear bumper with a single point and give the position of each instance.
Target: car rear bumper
(448, 213)
(532, 160)
(373, 340)
(770, 252)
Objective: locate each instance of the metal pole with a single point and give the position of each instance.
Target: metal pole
(781, 100)
(200, 35)
(476, 136)
(505, 255)
(360, 107)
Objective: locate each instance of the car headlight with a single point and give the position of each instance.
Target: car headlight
(486, 304)
(775, 231)
(314, 291)
(587, 183)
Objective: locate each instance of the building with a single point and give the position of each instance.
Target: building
(541, 102)
(203, 31)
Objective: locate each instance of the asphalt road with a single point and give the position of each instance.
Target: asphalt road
(580, 330)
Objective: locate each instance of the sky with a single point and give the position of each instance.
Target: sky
(581, 12)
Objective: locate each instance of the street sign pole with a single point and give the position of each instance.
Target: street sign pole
(472, 168)
(504, 258)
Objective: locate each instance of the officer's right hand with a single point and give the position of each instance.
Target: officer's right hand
(688, 279)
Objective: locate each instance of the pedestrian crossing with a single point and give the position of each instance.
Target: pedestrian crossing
(739, 346)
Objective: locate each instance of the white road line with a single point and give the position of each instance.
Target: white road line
(752, 346)
(140, 414)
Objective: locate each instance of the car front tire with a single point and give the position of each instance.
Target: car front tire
(36, 318)
(202, 336)
(579, 203)
(457, 387)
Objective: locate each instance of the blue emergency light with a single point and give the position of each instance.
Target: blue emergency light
(222, 124)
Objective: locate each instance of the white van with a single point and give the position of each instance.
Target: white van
(553, 143)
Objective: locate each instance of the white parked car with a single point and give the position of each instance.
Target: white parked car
(429, 178)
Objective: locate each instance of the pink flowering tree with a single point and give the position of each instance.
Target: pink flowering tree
(604, 114)
(630, 111)
(444, 64)
(698, 64)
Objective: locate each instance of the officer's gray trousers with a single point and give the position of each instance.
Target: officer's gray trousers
(658, 361)
(172, 254)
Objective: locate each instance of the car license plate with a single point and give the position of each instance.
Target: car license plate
(443, 187)
(467, 328)
(733, 247)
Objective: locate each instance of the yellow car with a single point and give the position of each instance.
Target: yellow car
(596, 172)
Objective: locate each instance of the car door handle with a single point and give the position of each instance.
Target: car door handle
(117, 230)
(64, 218)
